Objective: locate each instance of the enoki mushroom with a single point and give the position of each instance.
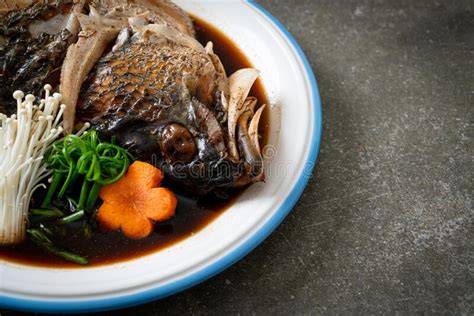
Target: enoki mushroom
(25, 137)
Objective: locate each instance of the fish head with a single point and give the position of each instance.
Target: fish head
(167, 99)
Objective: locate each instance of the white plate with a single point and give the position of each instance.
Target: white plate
(292, 91)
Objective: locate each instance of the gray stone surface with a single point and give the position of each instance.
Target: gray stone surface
(386, 223)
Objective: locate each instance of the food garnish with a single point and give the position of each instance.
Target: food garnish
(135, 201)
(82, 161)
(24, 139)
(40, 237)
(86, 162)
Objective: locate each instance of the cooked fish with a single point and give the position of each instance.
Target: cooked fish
(34, 37)
(168, 100)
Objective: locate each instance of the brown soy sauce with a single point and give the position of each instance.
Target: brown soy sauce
(191, 214)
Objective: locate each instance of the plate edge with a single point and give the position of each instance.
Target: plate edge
(231, 258)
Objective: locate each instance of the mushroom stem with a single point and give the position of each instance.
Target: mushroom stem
(24, 139)
(240, 84)
(246, 139)
(96, 33)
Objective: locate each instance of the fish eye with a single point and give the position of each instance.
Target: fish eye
(177, 143)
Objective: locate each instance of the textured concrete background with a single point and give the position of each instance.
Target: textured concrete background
(386, 223)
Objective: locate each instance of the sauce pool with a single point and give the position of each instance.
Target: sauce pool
(191, 215)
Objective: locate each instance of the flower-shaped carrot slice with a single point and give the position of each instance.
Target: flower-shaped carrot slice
(135, 201)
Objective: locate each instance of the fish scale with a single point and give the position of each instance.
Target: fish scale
(145, 73)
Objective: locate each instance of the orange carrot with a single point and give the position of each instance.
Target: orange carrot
(135, 201)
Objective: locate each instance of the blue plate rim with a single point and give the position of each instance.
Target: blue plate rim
(46, 306)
